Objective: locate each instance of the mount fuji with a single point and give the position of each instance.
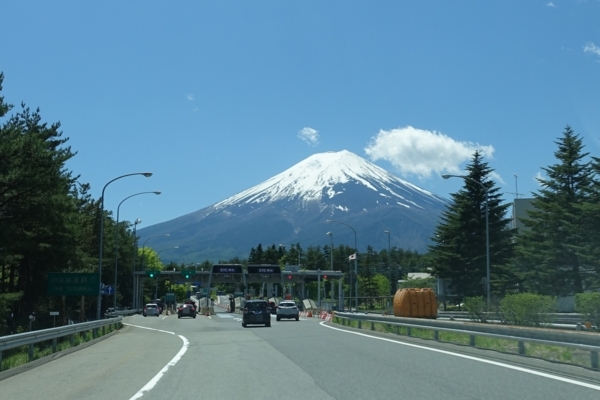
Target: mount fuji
(293, 207)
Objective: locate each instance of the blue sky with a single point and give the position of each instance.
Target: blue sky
(216, 97)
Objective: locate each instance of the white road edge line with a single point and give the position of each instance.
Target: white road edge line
(150, 385)
(483, 360)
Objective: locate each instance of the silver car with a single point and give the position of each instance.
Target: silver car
(151, 309)
(287, 309)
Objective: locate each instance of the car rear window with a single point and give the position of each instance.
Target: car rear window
(256, 305)
(150, 305)
(287, 304)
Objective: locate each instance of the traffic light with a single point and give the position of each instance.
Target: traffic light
(152, 274)
(325, 277)
(289, 276)
(187, 274)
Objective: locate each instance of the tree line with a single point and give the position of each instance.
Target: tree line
(555, 254)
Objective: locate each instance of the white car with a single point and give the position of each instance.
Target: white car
(151, 309)
(287, 309)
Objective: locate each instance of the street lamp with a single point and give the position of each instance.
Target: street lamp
(135, 285)
(157, 256)
(389, 266)
(487, 231)
(99, 307)
(355, 261)
(144, 246)
(117, 242)
(331, 252)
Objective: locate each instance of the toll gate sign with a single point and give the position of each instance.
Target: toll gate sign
(264, 269)
(73, 284)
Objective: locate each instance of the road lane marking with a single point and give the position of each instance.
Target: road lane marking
(483, 360)
(150, 385)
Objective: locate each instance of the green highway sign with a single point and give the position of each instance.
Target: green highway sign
(73, 284)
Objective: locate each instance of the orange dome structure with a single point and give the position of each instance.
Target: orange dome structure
(415, 303)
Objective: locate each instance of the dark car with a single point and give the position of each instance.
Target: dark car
(186, 310)
(256, 312)
(273, 307)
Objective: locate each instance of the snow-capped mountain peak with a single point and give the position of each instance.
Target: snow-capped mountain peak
(322, 176)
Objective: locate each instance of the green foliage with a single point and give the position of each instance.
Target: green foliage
(476, 307)
(418, 283)
(552, 250)
(459, 250)
(588, 304)
(527, 309)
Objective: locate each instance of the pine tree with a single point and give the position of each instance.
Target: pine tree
(550, 251)
(459, 250)
(589, 251)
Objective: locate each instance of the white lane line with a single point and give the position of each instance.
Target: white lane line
(150, 385)
(483, 360)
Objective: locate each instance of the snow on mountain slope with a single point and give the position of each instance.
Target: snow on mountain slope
(321, 177)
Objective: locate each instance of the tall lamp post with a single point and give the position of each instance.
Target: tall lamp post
(331, 252)
(487, 231)
(144, 246)
(117, 242)
(355, 261)
(390, 266)
(135, 247)
(99, 307)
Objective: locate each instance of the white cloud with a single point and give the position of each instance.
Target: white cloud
(190, 97)
(309, 135)
(420, 152)
(591, 48)
(538, 176)
(551, 4)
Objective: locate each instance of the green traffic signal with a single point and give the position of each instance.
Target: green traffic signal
(152, 274)
(187, 274)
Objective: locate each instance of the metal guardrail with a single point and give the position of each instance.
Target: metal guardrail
(123, 313)
(31, 338)
(593, 349)
(557, 318)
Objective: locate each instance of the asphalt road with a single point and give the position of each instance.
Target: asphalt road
(215, 358)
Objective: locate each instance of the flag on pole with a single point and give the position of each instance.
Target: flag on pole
(352, 256)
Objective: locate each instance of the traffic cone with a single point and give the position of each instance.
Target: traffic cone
(309, 315)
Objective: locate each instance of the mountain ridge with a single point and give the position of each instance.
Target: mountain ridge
(293, 206)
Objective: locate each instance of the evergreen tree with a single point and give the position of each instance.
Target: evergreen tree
(459, 250)
(551, 252)
(367, 286)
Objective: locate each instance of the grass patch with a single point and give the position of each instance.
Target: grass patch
(19, 356)
(565, 355)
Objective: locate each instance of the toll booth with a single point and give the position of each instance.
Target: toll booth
(227, 273)
(265, 273)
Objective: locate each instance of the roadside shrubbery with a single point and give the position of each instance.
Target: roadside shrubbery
(523, 309)
(588, 304)
(476, 308)
(527, 309)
